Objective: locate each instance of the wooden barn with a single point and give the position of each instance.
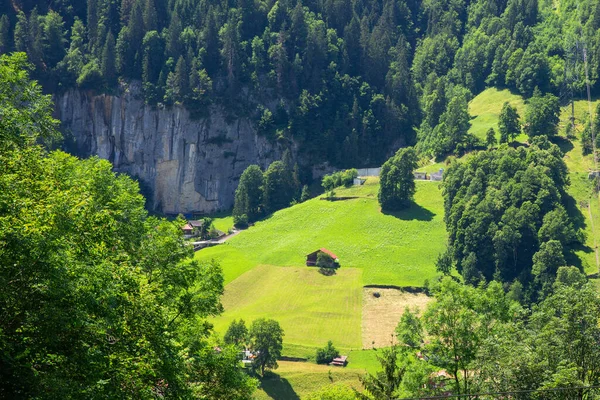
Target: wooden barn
(311, 259)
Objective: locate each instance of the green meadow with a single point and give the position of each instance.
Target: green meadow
(389, 249)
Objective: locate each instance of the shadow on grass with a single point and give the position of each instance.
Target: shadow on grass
(564, 144)
(574, 211)
(413, 212)
(573, 259)
(277, 388)
(328, 271)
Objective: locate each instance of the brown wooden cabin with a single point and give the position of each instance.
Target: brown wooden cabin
(340, 361)
(311, 259)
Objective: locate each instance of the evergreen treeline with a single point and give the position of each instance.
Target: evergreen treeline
(344, 78)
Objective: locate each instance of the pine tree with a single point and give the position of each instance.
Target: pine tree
(22, 32)
(490, 138)
(54, 39)
(92, 23)
(181, 80)
(150, 17)
(108, 68)
(211, 44)
(4, 34)
(230, 52)
(174, 32)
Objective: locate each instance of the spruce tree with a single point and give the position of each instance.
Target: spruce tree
(21, 33)
(150, 17)
(54, 39)
(108, 68)
(181, 77)
(4, 34)
(490, 138)
(92, 23)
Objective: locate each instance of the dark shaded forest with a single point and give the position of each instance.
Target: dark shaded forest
(349, 80)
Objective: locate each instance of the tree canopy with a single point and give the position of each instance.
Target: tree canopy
(99, 299)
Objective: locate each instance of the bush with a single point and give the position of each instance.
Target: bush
(90, 77)
(240, 221)
(324, 260)
(326, 354)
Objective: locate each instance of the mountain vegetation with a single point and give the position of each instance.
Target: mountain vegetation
(346, 79)
(99, 299)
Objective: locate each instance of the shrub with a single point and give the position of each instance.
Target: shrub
(324, 260)
(326, 354)
(240, 221)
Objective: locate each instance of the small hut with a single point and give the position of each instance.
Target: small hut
(311, 259)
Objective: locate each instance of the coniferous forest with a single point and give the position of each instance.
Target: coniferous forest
(101, 299)
(347, 79)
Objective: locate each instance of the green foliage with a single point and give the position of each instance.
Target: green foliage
(249, 194)
(508, 123)
(542, 115)
(512, 198)
(279, 187)
(410, 330)
(324, 260)
(237, 334)
(384, 384)
(397, 182)
(305, 195)
(98, 299)
(25, 114)
(490, 138)
(267, 338)
(333, 392)
(337, 179)
(326, 354)
(90, 76)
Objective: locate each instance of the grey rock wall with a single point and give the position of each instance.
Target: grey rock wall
(187, 165)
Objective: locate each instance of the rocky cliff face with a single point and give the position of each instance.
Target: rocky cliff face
(187, 165)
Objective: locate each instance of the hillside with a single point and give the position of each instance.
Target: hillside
(390, 249)
(583, 206)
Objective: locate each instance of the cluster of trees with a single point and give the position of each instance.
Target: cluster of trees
(261, 193)
(350, 78)
(326, 354)
(486, 342)
(396, 180)
(264, 339)
(337, 179)
(98, 299)
(481, 342)
(505, 217)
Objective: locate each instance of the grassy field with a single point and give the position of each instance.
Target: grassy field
(294, 380)
(485, 110)
(390, 249)
(585, 207)
(310, 307)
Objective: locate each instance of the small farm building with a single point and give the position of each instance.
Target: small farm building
(188, 230)
(420, 175)
(311, 259)
(438, 176)
(340, 361)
